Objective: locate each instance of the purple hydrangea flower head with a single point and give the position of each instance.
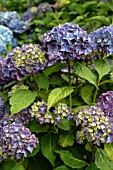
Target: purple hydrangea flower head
(103, 39)
(17, 141)
(67, 41)
(43, 7)
(62, 111)
(95, 126)
(29, 14)
(105, 102)
(26, 59)
(38, 110)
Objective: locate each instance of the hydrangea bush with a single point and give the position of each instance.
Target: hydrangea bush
(55, 109)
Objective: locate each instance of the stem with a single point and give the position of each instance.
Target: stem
(69, 72)
(95, 95)
(35, 84)
(93, 152)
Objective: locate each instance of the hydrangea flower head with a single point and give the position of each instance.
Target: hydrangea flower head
(67, 41)
(103, 39)
(62, 111)
(27, 59)
(105, 102)
(43, 7)
(7, 34)
(17, 141)
(16, 88)
(29, 14)
(95, 126)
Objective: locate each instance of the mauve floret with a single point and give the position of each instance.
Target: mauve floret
(95, 126)
(17, 141)
(26, 59)
(105, 102)
(67, 41)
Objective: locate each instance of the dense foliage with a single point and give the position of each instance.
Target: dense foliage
(56, 85)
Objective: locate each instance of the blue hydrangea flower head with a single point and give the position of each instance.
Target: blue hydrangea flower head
(17, 141)
(95, 126)
(67, 41)
(7, 34)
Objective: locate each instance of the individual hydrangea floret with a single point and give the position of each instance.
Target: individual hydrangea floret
(67, 41)
(17, 141)
(27, 59)
(105, 102)
(103, 39)
(62, 111)
(29, 14)
(16, 88)
(43, 7)
(95, 126)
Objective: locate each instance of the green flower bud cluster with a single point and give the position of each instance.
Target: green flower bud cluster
(16, 88)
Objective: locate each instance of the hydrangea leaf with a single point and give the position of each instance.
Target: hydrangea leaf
(70, 160)
(102, 67)
(21, 99)
(109, 149)
(64, 124)
(57, 94)
(92, 167)
(66, 140)
(42, 81)
(86, 94)
(63, 167)
(54, 68)
(49, 144)
(85, 73)
(18, 166)
(9, 164)
(102, 161)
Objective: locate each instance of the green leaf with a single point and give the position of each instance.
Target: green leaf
(109, 149)
(57, 94)
(104, 20)
(64, 124)
(35, 151)
(44, 94)
(106, 81)
(102, 67)
(49, 144)
(63, 167)
(18, 166)
(54, 68)
(86, 94)
(66, 140)
(42, 81)
(102, 161)
(9, 164)
(92, 167)
(84, 72)
(70, 160)
(38, 128)
(21, 99)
